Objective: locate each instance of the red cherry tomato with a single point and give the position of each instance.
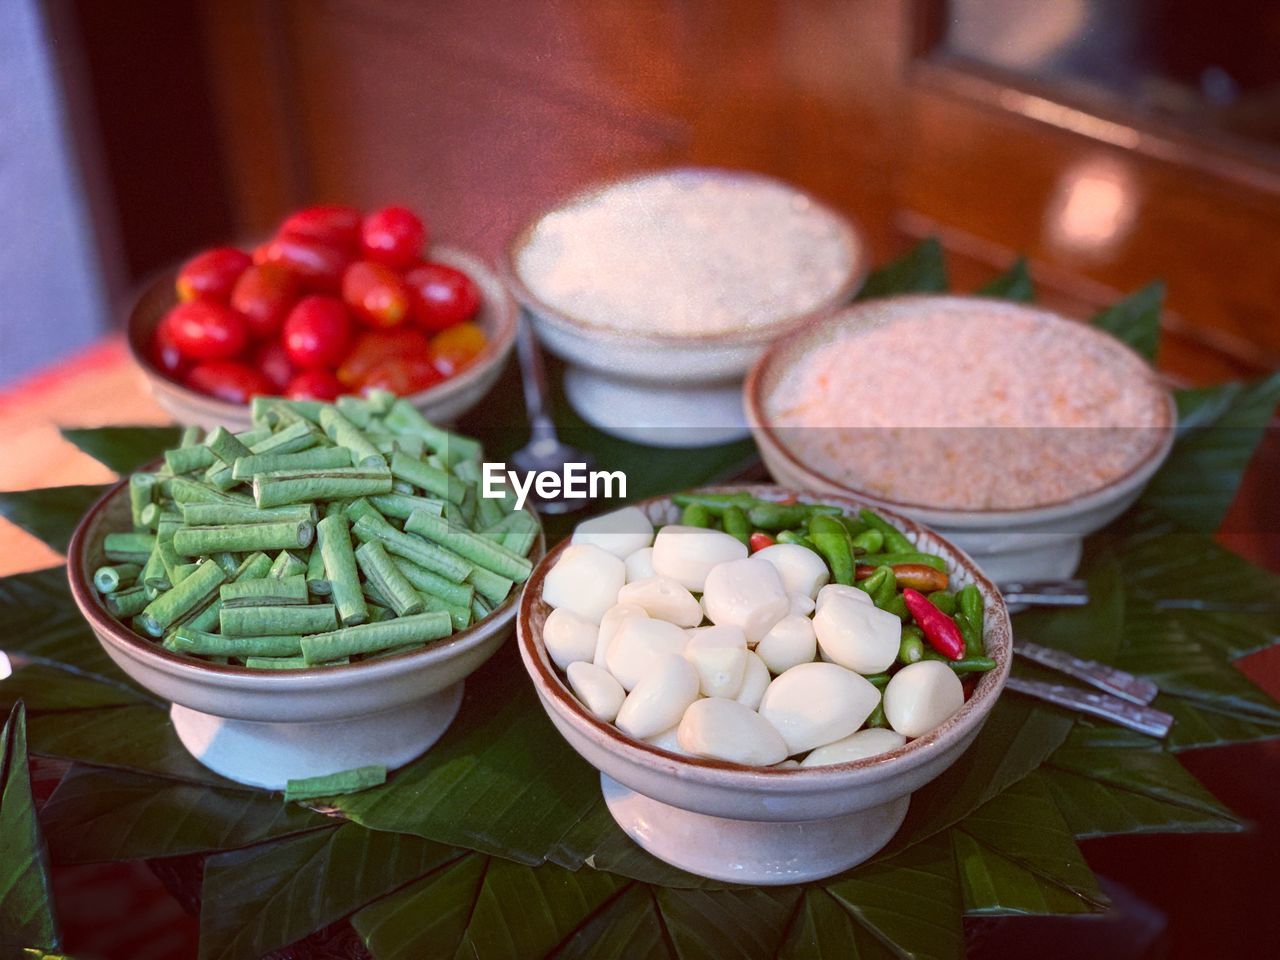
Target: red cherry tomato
(228, 380)
(374, 346)
(376, 294)
(204, 330)
(263, 296)
(401, 375)
(212, 274)
(313, 385)
(273, 360)
(330, 223)
(164, 353)
(453, 349)
(316, 332)
(317, 264)
(442, 296)
(393, 236)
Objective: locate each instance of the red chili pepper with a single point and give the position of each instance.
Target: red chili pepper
(939, 629)
(758, 541)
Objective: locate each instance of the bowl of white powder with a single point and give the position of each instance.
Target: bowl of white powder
(1011, 430)
(659, 290)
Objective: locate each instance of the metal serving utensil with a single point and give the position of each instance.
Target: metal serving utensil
(1108, 679)
(1046, 593)
(1152, 722)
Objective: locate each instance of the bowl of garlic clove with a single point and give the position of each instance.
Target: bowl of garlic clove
(730, 742)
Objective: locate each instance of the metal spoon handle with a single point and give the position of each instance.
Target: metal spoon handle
(1047, 593)
(1152, 722)
(533, 374)
(1124, 685)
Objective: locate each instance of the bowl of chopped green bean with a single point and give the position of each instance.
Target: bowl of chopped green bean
(309, 593)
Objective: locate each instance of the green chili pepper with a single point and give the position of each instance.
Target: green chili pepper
(910, 648)
(893, 559)
(796, 537)
(944, 601)
(831, 540)
(736, 523)
(972, 607)
(869, 541)
(972, 665)
(877, 718)
(971, 636)
(897, 606)
(715, 503)
(895, 541)
(855, 526)
(696, 515)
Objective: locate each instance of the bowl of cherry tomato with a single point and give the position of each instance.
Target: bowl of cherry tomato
(336, 302)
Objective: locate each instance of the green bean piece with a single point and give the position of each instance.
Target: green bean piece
(253, 567)
(470, 546)
(217, 514)
(895, 541)
(227, 561)
(153, 575)
(278, 621)
(225, 446)
(127, 603)
(379, 569)
(893, 559)
(142, 493)
(460, 614)
(360, 449)
(316, 458)
(189, 459)
(379, 614)
(169, 556)
(432, 584)
(494, 587)
(467, 508)
(185, 490)
(360, 507)
(276, 663)
(263, 409)
(182, 598)
(794, 536)
(355, 409)
(400, 505)
(972, 606)
(243, 537)
(190, 436)
(202, 643)
(431, 479)
(335, 784)
(488, 511)
(831, 540)
(403, 417)
(255, 434)
(264, 592)
(317, 582)
(109, 579)
(944, 600)
(334, 483)
(128, 547)
(868, 541)
(372, 637)
(287, 565)
(910, 648)
(426, 555)
(294, 438)
(517, 531)
(479, 609)
(334, 547)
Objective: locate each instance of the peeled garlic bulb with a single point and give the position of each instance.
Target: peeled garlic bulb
(687, 554)
(620, 532)
(817, 703)
(612, 620)
(569, 637)
(922, 696)
(755, 680)
(790, 642)
(595, 687)
(638, 646)
(667, 740)
(856, 635)
(726, 730)
(802, 571)
(585, 580)
(719, 654)
(663, 599)
(802, 605)
(842, 590)
(745, 593)
(659, 700)
(639, 564)
(856, 746)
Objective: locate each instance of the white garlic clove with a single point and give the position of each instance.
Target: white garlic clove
(667, 740)
(726, 730)
(639, 645)
(569, 637)
(612, 620)
(817, 703)
(802, 571)
(595, 687)
(719, 654)
(687, 554)
(842, 590)
(585, 580)
(620, 532)
(660, 699)
(856, 746)
(745, 593)
(663, 599)
(790, 642)
(755, 680)
(802, 605)
(922, 696)
(639, 565)
(856, 635)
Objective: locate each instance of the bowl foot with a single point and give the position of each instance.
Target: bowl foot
(752, 851)
(270, 754)
(1014, 557)
(679, 415)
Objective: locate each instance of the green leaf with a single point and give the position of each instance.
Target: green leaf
(1108, 781)
(42, 686)
(96, 815)
(51, 514)
(1189, 571)
(746, 922)
(911, 901)
(822, 929)
(1091, 631)
(26, 892)
(124, 449)
(1222, 427)
(922, 270)
(265, 897)
(426, 919)
(1014, 284)
(1136, 319)
(628, 926)
(1015, 855)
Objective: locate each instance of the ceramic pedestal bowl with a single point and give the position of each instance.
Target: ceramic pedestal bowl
(762, 825)
(656, 388)
(443, 403)
(265, 727)
(1035, 543)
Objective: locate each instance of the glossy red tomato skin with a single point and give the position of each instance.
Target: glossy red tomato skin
(455, 349)
(442, 296)
(228, 380)
(371, 347)
(204, 330)
(375, 294)
(263, 296)
(331, 223)
(273, 360)
(393, 236)
(164, 353)
(401, 375)
(316, 333)
(211, 275)
(318, 265)
(313, 385)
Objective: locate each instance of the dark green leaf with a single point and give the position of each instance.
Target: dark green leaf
(1091, 631)
(922, 270)
(100, 814)
(822, 929)
(26, 893)
(744, 922)
(426, 919)
(1136, 319)
(265, 897)
(1013, 284)
(630, 926)
(51, 514)
(1199, 480)
(124, 449)
(43, 686)
(1189, 571)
